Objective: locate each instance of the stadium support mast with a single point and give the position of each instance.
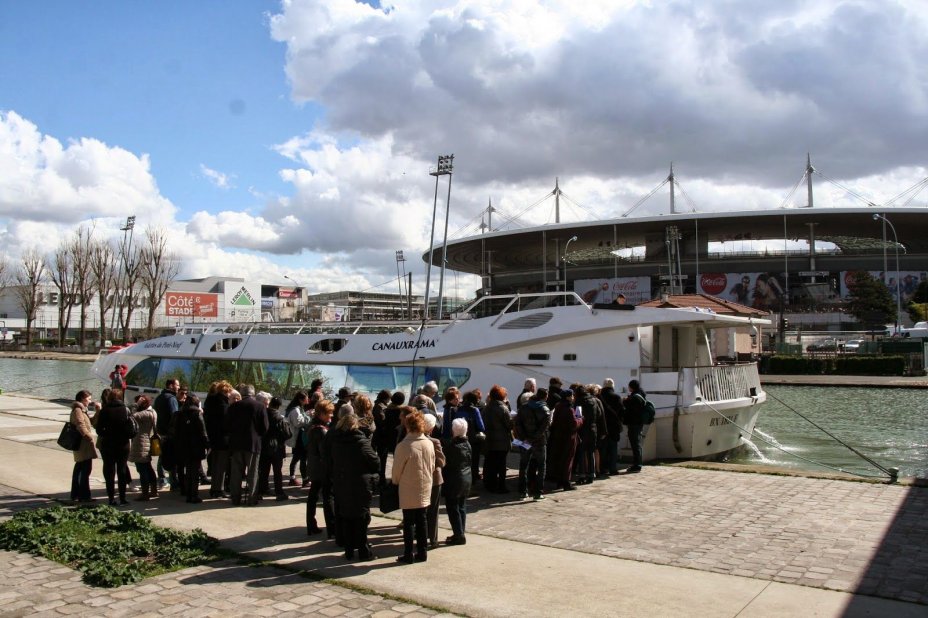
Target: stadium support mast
(809, 170)
(670, 180)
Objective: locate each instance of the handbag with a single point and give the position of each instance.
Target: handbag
(155, 448)
(389, 498)
(70, 438)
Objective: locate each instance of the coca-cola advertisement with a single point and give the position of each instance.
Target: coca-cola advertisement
(758, 290)
(636, 290)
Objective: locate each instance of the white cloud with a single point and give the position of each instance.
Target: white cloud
(218, 179)
(43, 180)
(522, 91)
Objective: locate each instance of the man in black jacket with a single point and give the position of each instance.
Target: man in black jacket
(594, 427)
(531, 427)
(247, 423)
(609, 444)
(166, 406)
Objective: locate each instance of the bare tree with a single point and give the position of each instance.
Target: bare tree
(159, 268)
(6, 276)
(28, 280)
(104, 268)
(60, 268)
(83, 277)
(6, 273)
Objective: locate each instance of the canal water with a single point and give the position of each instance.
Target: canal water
(888, 425)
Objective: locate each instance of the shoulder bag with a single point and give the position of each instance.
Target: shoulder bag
(70, 438)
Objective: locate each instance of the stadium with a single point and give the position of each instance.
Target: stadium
(793, 262)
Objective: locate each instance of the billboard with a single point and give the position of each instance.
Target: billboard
(637, 290)
(191, 304)
(758, 290)
(908, 281)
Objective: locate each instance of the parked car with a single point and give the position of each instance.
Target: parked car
(825, 345)
(853, 346)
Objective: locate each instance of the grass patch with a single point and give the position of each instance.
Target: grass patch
(110, 547)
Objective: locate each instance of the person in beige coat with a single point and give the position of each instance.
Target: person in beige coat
(140, 447)
(83, 456)
(413, 467)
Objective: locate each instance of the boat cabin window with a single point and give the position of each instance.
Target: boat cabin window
(327, 346)
(570, 357)
(225, 344)
(539, 357)
(284, 379)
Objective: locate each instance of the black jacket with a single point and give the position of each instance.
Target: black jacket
(111, 427)
(613, 410)
(354, 472)
(456, 473)
(532, 422)
(166, 406)
(190, 439)
(594, 421)
(246, 421)
(214, 416)
(498, 424)
(634, 409)
(315, 460)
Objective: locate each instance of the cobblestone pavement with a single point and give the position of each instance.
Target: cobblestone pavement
(33, 586)
(38, 587)
(835, 534)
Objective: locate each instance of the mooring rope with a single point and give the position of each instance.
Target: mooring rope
(806, 459)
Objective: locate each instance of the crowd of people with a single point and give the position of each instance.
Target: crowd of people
(341, 448)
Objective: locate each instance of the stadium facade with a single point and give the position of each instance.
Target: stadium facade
(794, 262)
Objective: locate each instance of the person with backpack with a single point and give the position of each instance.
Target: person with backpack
(273, 447)
(636, 417)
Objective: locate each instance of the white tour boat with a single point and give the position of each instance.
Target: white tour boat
(704, 409)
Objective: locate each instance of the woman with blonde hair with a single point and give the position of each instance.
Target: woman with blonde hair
(364, 409)
(413, 466)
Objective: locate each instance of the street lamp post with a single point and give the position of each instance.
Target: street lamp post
(878, 217)
(400, 280)
(115, 322)
(566, 246)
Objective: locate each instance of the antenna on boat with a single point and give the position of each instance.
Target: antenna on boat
(445, 167)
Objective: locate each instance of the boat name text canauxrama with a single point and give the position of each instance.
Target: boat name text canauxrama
(402, 345)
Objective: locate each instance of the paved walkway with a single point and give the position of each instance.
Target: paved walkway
(668, 541)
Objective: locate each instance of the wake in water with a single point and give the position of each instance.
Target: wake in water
(756, 452)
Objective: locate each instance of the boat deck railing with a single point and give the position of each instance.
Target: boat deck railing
(482, 307)
(704, 383)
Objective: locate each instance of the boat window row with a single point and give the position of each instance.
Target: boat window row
(540, 356)
(284, 379)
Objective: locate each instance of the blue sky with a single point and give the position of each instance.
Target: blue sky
(199, 83)
(295, 138)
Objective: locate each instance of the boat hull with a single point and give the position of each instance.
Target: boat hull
(702, 431)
